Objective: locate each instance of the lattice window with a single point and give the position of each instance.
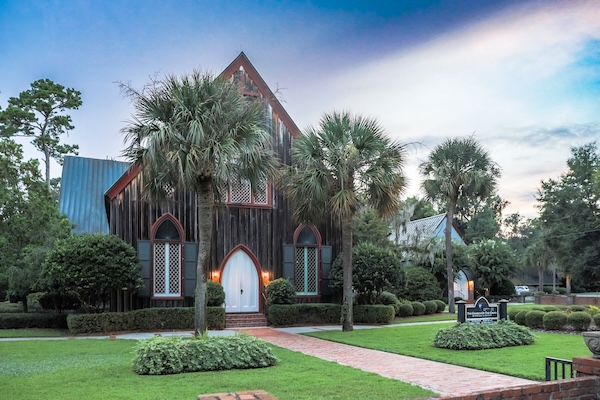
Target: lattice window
(240, 192)
(306, 271)
(167, 269)
(261, 195)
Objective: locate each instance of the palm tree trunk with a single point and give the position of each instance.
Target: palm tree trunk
(347, 312)
(449, 268)
(204, 217)
(540, 279)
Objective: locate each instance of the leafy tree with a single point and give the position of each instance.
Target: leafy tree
(422, 208)
(456, 170)
(198, 133)
(347, 161)
(92, 266)
(39, 113)
(493, 262)
(369, 228)
(375, 269)
(484, 225)
(421, 285)
(539, 257)
(570, 217)
(461, 260)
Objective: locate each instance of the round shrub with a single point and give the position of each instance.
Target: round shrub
(389, 299)
(441, 306)
(550, 308)
(596, 318)
(418, 308)
(421, 285)
(579, 320)
(280, 291)
(520, 317)
(469, 336)
(512, 312)
(215, 294)
(430, 307)
(405, 310)
(554, 320)
(577, 308)
(535, 319)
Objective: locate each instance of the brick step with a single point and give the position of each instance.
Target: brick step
(245, 320)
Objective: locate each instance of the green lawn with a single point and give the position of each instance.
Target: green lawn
(416, 340)
(101, 369)
(16, 333)
(426, 318)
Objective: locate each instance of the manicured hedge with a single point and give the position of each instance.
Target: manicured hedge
(554, 320)
(418, 308)
(470, 336)
(159, 355)
(325, 313)
(405, 310)
(441, 306)
(535, 319)
(33, 320)
(430, 307)
(579, 320)
(147, 319)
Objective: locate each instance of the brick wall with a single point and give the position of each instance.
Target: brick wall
(580, 388)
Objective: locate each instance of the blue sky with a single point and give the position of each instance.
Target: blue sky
(523, 76)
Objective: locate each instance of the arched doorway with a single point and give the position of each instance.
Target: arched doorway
(240, 280)
(461, 285)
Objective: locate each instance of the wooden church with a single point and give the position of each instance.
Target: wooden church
(254, 240)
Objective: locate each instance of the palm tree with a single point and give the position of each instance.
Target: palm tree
(344, 163)
(197, 133)
(540, 257)
(457, 170)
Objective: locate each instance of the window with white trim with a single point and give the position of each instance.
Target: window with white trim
(166, 266)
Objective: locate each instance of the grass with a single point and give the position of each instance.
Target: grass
(19, 333)
(426, 318)
(101, 369)
(521, 361)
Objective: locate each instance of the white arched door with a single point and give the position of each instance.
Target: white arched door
(240, 282)
(461, 286)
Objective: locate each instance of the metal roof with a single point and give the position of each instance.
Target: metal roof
(82, 187)
(425, 228)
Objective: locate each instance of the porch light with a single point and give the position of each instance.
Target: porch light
(471, 285)
(215, 276)
(265, 276)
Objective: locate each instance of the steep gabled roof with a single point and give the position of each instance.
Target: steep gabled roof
(424, 227)
(242, 61)
(83, 184)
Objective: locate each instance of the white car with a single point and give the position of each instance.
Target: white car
(521, 289)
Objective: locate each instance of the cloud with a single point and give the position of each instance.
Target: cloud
(509, 79)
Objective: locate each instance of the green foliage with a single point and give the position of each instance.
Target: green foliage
(596, 319)
(550, 308)
(485, 223)
(160, 356)
(38, 113)
(469, 336)
(389, 299)
(418, 308)
(512, 312)
(367, 227)
(441, 306)
(215, 294)
(430, 307)
(554, 320)
(560, 290)
(374, 314)
(375, 269)
(521, 316)
(280, 291)
(148, 319)
(32, 320)
(284, 314)
(579, 320)
(33, 301)
(493, 262)
(92, 265)
(535, 319)
(577, 308)
(405, 310)
(503, 288)
(60, 302)
(421, 285)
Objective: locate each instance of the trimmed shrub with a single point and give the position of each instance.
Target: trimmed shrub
(147, 319)
(554, 320)
(318, 313)
(430, 307)
(389, 299)
(520, 317)
(550, 308)
(469, 336)
(579, 320)
(560, 290)
(405, 310)
(215, 294)
(160, 356)
(441, 306)
(421, 285)
(596, 318)
(283, 314)
(535, 319)
(280, 291)
(418, 308)
(32, 320)
(577, 308)
(373, 314)
(512, 312)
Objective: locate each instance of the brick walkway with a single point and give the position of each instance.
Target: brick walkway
(445, 379)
